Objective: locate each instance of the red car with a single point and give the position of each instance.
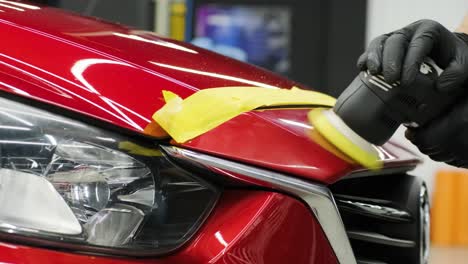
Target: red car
(80, 181)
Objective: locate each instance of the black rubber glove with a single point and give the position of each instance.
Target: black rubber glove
(399, 54)
(446, 138)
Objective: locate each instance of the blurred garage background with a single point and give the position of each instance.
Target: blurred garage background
(315, 42)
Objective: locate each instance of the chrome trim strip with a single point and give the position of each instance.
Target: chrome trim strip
(378, 238)
(317, 196)
(374, 210)
(384, 171)
(424, 225)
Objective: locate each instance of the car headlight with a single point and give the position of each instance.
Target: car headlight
(64, 183)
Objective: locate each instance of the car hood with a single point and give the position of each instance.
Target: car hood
(116, 74)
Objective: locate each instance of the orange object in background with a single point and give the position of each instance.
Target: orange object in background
(449, 220)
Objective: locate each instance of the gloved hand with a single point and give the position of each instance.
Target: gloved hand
(397, 56)
(446, 138)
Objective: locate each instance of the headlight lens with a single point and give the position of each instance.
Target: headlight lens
(67, 182)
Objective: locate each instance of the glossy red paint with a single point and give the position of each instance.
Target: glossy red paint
(109, 71)
(281, 140)
(246, 227)
(283, 143)
(117, 74)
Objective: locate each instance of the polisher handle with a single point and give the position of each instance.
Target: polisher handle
(375, 109)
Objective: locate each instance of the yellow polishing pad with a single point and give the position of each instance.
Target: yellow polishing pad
(341, 136)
